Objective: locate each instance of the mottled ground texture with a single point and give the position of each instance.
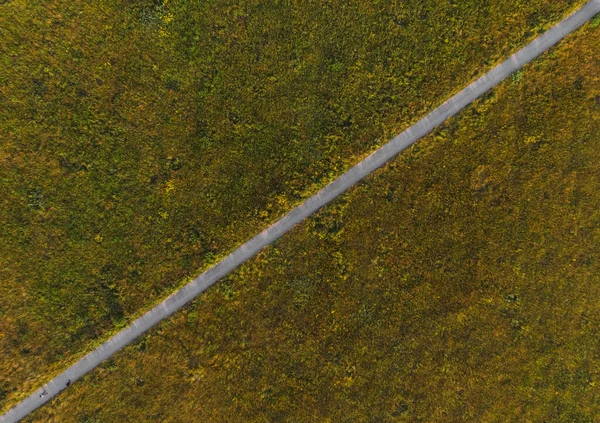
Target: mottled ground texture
(457, 284)
(143, 140)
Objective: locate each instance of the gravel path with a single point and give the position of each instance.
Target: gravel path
(308, 207)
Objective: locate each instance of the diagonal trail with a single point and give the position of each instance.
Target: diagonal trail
(190, 291)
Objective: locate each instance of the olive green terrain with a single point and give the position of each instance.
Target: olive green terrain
(459, 283)
(142, 140)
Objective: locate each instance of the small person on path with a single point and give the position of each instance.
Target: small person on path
(68, 382)
(43, 393)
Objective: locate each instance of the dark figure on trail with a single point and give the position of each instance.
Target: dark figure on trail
(43, 393)
(68, 382)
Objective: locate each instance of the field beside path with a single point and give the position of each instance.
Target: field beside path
(142, 141)
(457, 283)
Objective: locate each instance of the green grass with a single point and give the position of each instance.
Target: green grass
(457, 284)
(143, 140)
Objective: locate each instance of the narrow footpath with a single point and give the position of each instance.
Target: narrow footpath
(190, 291)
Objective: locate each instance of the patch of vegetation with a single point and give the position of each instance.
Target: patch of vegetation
(595, 22)
(143, 140)
(463, 286)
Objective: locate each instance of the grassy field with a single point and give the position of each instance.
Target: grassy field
(457, 284)
(140, 141)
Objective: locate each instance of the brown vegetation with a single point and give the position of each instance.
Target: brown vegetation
(141, 140)
(458, 283)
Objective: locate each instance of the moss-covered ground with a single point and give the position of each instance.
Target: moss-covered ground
(459, 283)
(142, 140)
